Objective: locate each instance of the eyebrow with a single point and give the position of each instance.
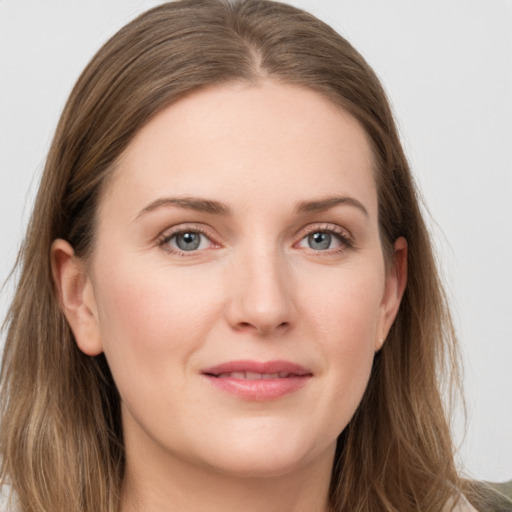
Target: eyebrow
(320, 205)
(218, 208)
(189, 203)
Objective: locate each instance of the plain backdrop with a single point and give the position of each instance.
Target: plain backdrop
(447, 67)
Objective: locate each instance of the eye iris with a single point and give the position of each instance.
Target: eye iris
(188, 241)
(319, 240)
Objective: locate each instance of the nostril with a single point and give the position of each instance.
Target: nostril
(267, 329)
(262, 329)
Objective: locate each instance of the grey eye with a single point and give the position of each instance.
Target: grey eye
(319, 241)
(187, 241)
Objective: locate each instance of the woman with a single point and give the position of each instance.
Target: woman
(227, 296)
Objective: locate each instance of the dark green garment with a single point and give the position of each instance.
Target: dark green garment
(492, 497)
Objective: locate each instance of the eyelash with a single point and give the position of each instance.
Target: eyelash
(346, 240)
(164, 239)
(342, 235)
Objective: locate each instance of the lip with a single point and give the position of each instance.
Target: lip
(240, 378)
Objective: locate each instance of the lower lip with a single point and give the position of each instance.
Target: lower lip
(259, 390)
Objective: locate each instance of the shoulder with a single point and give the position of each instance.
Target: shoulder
(459, 503)
(463, 505)
(7, 501)
(490, 496)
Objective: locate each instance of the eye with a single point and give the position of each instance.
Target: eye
(186, 241)
(325, 240)
(319, 240)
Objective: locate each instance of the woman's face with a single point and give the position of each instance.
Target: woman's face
(237, 285)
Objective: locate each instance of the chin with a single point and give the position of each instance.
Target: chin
(265, 456)
(258, 465)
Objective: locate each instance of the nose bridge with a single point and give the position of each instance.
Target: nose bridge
(261, 296)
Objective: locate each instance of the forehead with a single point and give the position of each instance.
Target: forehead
(250, 143)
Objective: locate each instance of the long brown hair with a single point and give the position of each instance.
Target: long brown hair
(61, 438)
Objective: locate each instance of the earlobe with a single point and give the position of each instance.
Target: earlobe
(396, 281)
(76, 297)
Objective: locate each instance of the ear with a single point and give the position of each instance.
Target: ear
(396, 279)
(76, 297)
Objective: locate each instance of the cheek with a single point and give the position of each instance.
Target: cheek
(152, 319)
(344, 304)
(345, 318)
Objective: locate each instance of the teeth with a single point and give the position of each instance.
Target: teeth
(253, 375)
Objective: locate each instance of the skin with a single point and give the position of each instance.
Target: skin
(256, 288)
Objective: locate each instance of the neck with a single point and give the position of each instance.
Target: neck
(170, 484)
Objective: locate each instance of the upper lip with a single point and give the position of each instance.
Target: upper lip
(267, 367)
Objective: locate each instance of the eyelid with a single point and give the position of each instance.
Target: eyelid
(345, 236)
(166, 235)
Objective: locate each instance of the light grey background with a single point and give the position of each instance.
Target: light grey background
(447, 66)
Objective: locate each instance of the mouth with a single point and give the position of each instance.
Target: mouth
(260, 381)
(254, 375)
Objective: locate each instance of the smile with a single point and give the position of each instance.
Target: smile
(252, 380)
(254, 375)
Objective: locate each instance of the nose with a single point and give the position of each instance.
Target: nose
(261, 294)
